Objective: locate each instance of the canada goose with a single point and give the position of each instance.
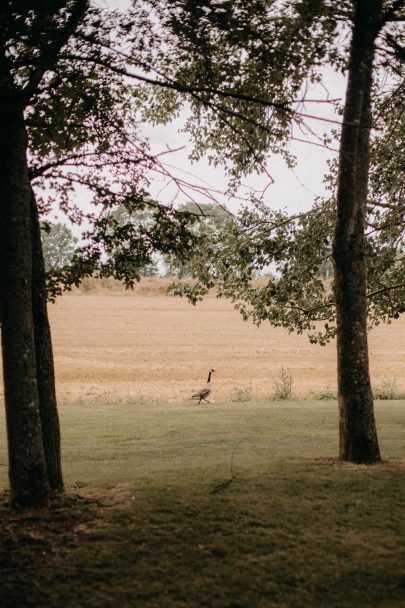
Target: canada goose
(205, 391)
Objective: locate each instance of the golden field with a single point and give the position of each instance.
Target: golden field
(125, 346)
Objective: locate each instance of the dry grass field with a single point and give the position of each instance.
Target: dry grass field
(142, 345)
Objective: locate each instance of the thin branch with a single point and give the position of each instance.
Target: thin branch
(309, 311)
(181, 88)
(313, 143)
(275, 225)
(105, 162)
(386, 288)
(35, 172)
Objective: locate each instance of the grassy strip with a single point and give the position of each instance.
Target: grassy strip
(292, 529)
(155, 444)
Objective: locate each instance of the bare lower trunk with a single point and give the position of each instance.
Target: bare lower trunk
(44, 358)
(27, 471)
(357, 429)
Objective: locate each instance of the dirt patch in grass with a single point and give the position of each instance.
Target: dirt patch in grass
(55, 528)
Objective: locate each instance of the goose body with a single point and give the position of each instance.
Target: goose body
(204, 392)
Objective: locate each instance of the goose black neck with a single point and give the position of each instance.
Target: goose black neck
(209, 376)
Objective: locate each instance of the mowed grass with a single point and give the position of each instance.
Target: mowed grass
(231, 505)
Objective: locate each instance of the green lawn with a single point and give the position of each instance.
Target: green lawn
(153, 526)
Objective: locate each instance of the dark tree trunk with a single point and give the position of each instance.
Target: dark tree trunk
(27, 470)
(357, 429)
(44, 358)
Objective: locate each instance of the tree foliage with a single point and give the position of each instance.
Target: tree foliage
(234, 57)
(256, 70)
(85, 146)
(208, 218)
(58, 243)
(298, 246)
(246, 71)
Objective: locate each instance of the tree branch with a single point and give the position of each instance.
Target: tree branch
(309, 311)
(35, 172)
(192, 90)
(386, 288)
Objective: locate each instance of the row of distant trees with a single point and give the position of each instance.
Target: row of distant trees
(59, 242)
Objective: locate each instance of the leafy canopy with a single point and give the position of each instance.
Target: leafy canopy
(85, 148)
(249, 76)
(254, 71)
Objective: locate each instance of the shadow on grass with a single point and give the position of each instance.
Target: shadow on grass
(297, 534)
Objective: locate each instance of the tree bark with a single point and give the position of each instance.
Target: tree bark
(27, 470)
(44, 358)
(357, 429)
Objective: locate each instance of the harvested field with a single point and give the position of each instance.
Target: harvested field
(126, 346)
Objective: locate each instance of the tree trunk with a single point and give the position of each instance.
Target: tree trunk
(357, 430)
(27, 470)
(44, 358)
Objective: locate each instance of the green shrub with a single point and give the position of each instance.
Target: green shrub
(387, 390)
(326, 394)
(241, 395)
(283, 385)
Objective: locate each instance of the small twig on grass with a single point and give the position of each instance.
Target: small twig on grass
(227, 482)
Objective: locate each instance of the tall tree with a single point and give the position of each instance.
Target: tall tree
(27, 470)
(250, 66)
(58, 244)
(48, 29)
(74, 118)
(44, 358)
(207, 215)
(357, 429)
